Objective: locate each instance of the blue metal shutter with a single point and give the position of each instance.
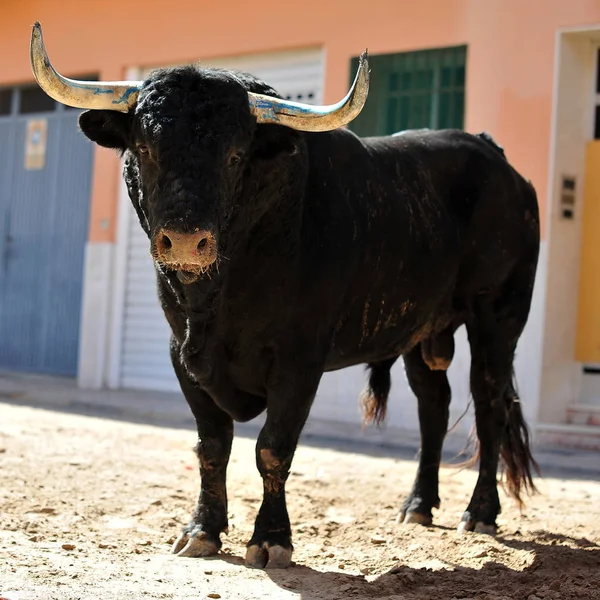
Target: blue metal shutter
(44, 219)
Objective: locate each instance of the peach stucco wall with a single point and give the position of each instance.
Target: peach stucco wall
(509, 64)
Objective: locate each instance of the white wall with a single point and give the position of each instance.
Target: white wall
(561, 374)
(96, 301)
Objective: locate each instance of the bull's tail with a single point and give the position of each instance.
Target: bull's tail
(516, 461)
(515, 451)
(374, 398)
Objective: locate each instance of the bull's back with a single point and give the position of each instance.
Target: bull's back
(492, 209)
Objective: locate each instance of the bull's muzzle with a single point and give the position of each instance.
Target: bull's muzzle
(191, 253)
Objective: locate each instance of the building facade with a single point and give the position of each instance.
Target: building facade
(76, 282)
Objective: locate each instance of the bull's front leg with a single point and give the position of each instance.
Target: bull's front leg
(288, 405)
(201, 537)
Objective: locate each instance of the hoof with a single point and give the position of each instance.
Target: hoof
(195, 545)
(481, 527)
(268, 557)
(414, 517)
(477, 527)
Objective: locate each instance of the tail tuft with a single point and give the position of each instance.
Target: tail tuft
(516, 459)
(374, 398)
(515, 451)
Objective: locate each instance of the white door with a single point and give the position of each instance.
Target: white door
(143, 348)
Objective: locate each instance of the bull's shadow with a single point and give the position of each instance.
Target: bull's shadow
(557, 571)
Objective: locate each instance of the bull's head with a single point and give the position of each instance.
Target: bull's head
(190, 137)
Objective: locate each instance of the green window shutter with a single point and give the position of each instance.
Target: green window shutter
(412, 90)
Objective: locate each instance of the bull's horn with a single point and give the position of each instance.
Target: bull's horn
(306, 117)
(122, 95)
(109, 95)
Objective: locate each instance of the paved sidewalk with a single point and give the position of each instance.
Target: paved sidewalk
(171, 410)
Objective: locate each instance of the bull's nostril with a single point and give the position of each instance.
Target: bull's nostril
(184, 250)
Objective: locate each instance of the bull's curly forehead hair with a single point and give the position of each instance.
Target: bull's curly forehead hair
(211, 99)
(179, 87)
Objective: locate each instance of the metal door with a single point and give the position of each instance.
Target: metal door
(44, 214)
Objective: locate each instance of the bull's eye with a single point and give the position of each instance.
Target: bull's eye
(235, 159)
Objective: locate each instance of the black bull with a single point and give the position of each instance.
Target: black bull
(327, 251)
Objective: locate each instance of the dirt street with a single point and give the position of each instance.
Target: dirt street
(89, 508)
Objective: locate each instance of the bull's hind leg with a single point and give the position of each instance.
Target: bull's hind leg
(494, 329)
(201, 537)
(432, 390)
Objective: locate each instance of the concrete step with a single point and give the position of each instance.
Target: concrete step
(583, 414)
(581, 437)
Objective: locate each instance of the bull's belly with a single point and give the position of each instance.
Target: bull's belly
(360, 345)
(337, 362)
(377, 348)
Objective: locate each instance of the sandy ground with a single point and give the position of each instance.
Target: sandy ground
(89, 508)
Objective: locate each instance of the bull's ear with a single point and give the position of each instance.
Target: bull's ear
(106, 128)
